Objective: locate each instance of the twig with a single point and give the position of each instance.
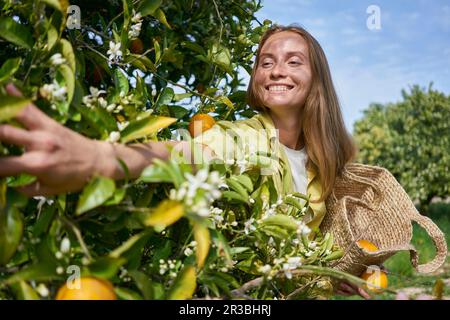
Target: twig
(77, 233)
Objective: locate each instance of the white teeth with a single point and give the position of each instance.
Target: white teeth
(278, 88)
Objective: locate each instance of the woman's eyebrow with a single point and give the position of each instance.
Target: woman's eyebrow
(296, 53)
(289, 54)
(268, 55)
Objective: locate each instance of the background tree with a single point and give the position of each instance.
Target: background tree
(410, 138)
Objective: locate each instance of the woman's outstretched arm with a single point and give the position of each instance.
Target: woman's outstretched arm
(64, 160)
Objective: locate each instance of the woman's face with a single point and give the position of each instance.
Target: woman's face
(283, 75)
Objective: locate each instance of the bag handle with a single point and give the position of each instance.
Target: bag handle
(439, 242)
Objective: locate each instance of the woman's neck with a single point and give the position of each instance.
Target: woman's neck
(289, 128)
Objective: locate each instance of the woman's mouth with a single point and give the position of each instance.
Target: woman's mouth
(279, 88)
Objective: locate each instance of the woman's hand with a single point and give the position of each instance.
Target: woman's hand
(61, 159)
(348, 289)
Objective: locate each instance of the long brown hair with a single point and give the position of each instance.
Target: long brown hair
(328, 144)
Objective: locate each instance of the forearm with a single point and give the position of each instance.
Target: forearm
(136, 157)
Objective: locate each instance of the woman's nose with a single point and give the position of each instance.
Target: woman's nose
(278, 71)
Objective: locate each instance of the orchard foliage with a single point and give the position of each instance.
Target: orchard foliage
(411, 139)
(135, 71)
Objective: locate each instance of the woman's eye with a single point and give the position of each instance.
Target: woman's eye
(267, 64)
(295, 62)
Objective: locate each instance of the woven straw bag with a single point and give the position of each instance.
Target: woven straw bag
(368, 203)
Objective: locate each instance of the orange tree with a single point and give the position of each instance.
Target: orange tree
(135, 71)
(411, 138)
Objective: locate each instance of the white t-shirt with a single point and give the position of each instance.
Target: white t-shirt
(297, 161)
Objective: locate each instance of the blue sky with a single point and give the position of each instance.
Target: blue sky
(412, 46)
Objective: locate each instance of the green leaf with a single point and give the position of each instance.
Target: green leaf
(11, 106)
(174, 111)
(180, 96)
(9, 68)
(69, 80)
(52, 36)
(226, 101)
(117, 197)
(37, 272)
(141, 62)
(143, 283)
(121, 82)
(159, 14)
(281, 220)
(11, 231)
(185, 285)
(16, 33)
(203, 239)
(166, 213)
(60, 5)
(154, 173)
(44, 220)
(95, 194)
(142, 128)
(157, 51)
(194, 47)
(165, 97)
(126, 294)
(134, 241)
(231, 195)
(149, 7)
(245, 181)
(67, 53)
(221, 57)
(106, 267)
(24, 291)
(99, 118)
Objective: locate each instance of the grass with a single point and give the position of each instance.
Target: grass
(402, 274)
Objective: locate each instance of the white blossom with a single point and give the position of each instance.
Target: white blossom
(114, 136)
(122, 125)
(53, 92)
(42, 201)
(111, 107)
(114, 52)
(312, 245)
(294, 262)
(248, 226)
(65, 245)
(265, 269)
(93, 97)
(57, 59)
(137, 17)
(42, 290)
(302, 228)
(287, 270)
(135, 30)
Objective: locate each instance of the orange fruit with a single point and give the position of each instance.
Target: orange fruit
(90, 288)
(200, 88)
(367, 245)
(376, 280)
(136, 46)
(200, 123)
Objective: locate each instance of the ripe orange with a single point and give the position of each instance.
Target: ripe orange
(90, 288)
(376, 280)
(136, 46)
(367, 245)
(200, 123)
